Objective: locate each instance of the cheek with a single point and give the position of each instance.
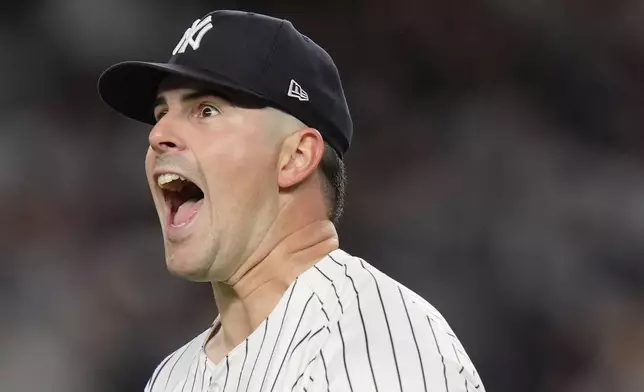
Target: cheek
(149, 166)
(236, 154)
(238, 174)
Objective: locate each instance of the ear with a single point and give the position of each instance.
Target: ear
(300, 155)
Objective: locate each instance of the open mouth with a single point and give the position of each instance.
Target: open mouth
(183, 198)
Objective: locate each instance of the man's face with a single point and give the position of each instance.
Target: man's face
(211, 220)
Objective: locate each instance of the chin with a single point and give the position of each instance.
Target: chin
(186, 266)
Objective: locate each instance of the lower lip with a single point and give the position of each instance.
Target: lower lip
(182, 231)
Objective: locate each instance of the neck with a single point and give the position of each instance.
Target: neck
(249, 296)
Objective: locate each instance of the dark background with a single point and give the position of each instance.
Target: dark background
(497, 169)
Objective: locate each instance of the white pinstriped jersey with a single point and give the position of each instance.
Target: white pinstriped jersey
(341, 326)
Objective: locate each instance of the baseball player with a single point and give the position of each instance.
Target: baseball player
(249, 128)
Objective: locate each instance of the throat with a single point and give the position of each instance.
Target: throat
(247, 298)
(240, 317)
(215, 347)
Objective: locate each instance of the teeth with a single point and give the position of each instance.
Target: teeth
(165, 179)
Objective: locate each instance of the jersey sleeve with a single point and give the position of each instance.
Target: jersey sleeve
(393, 344)
(153, 378)
(147, 386)
(427, 364)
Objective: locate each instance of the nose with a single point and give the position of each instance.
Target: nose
(164, 137)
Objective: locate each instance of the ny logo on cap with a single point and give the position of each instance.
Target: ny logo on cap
(199, 27)
(296, 91)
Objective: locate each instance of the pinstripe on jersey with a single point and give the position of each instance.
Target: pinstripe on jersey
(341, 326)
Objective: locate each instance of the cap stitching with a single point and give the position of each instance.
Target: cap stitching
(268, 55)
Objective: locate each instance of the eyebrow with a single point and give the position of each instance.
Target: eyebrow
(160, 100)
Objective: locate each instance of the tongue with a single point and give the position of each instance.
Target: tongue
(185, 212)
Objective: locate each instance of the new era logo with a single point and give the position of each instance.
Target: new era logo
(296, 91)
(200, 28)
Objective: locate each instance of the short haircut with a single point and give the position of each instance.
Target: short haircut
(334, 182)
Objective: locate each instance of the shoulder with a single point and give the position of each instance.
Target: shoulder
(390, 335)
(344, 281)
(176, 364)
(356, 284)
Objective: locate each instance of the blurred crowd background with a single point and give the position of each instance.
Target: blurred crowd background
(497, 169)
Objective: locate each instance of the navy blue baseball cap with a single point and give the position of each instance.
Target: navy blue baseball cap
(248, 57)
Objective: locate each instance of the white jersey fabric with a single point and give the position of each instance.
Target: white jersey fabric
(342, 326)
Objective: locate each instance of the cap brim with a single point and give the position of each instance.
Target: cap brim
(131, 87)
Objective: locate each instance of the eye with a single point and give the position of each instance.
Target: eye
(208, 110)
(158, 114)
